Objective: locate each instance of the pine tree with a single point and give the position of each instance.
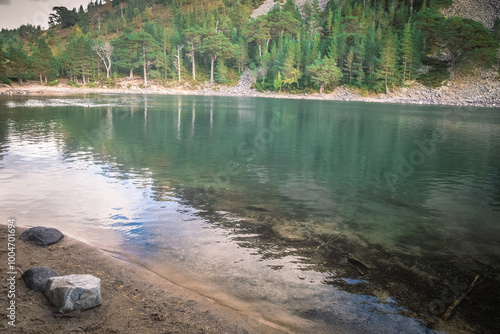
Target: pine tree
(467, 43)
(348, 66)
(193, 35)
(282, 23)
(266, 60)
(221, 76)
(291, 72)
(42, 59)
(79, 55)
(18, 60)
(258, 31)
(359, 60)
(217, 46)
(278, 82)
(324, 72)
(127, 51)
(409, 54)
(149, 51)
(372, 53)
(387, 70)
(3, 60)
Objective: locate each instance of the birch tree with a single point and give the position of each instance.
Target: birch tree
(104, 51)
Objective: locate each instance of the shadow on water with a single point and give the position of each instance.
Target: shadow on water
(343, 215)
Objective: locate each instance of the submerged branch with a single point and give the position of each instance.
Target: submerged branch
(335, 237)
(458, 300)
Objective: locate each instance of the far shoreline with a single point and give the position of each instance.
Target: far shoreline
(450, 95)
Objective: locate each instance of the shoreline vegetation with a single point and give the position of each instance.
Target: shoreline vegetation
(135, 299)
(372, 51)
(480, 90)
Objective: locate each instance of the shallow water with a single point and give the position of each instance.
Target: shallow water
(232, 196)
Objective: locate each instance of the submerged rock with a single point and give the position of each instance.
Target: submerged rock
(73, 292)
(290, 232)
(42, 236)
(36, 277)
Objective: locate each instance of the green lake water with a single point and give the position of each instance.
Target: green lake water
(321, 216)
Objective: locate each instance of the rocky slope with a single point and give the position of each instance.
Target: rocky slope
(269, 4)
(484, 11)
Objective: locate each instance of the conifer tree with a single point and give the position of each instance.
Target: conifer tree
(193, 34)
(42, 59)
(18, 61)
(359, 61)
(3, 60)
(127, 51)
(278, 82)
(291, 70)
(258, 31)
(217, 46)
(282, 23)
(349, 63)
(324, 72)
(387, 70)
(148, 50)
(467, 43)
(408, 53)
(266, 60)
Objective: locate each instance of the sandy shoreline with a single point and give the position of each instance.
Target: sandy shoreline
(135, 300)
(453, 95)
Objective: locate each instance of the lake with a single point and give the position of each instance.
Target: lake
(314, 216)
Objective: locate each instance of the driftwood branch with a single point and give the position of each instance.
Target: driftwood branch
(335, 237)
(451, 308)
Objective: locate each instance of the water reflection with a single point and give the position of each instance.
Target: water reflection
(245, 196)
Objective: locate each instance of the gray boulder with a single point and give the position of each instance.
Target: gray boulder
(73, 292)
(36, 277)
(42, 236)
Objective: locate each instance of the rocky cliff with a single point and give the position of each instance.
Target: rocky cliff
(484, 11)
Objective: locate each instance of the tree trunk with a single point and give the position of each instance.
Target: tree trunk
(165, 59)
(497, 65)
(260, 51)
(20, 79)
(41, 80)
(452, 68)
(322, 88)
(144, 65)
(386, 87)
(212, 71)
(193, 65)
(131, 76)
(179, 63)
(411, 65)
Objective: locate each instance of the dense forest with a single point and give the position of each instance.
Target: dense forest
(374, 45)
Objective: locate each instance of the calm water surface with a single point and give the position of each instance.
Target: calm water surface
(231, 197)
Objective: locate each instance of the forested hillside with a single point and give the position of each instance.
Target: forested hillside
(370, 44)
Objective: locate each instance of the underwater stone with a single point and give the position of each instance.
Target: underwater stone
(290, 232)
(42, 236)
